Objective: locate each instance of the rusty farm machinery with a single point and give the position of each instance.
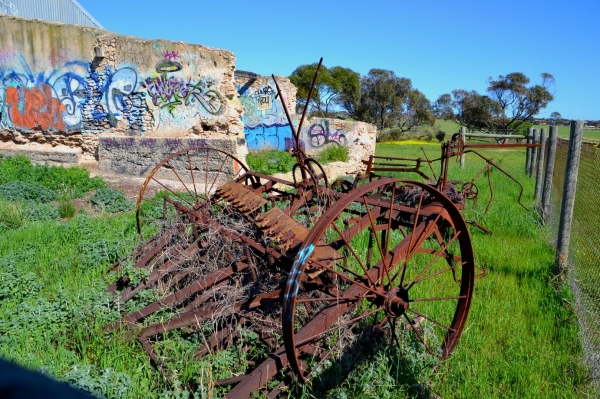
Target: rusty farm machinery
(304, 269)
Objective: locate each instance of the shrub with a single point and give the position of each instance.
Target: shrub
(26, 191)
(74, 180)
(270, 161)
(334, 153)
(110, 200)
(34, 212)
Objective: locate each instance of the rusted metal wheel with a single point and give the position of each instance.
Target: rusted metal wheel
(187, 178)
(377, 262)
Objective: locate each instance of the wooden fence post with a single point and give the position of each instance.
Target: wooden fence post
(547, 192)
(539, 175)
(533, 159)
(568, 199)
(462, 137)
(528, 153)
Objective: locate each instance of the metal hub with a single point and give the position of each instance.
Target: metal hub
(396, 302)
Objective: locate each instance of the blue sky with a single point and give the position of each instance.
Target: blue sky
(439, 45)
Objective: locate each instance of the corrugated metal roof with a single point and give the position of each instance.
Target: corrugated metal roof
(65, 11)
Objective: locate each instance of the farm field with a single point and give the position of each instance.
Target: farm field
(450, 127)
(521, 338)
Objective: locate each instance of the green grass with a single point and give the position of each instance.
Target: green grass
(521, 339)
(450, 127)
(334, 153)
(270, 161)
(565, 131)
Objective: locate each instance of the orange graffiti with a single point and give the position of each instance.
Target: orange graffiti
(30, 108)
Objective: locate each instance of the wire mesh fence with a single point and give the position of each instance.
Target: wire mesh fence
(584, 251)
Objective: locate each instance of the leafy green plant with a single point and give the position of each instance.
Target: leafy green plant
(26, 191)
(105, 383)
(75, 180)
(270, 161)
(110, 200)
(334, 153)
(34, 212)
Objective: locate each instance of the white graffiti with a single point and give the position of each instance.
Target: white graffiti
(192, 59)
(7, 7)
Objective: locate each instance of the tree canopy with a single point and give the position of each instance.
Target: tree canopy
(555, 118)
(334, 87)
(508, 104)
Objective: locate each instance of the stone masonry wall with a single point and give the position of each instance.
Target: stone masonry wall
(65, 86)
(265, 122)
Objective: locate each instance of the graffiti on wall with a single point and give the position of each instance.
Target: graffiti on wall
(171, 91)
(66, 97)
(35, 107)
(265, 123)
(182, 100)
(325, 132)
(72, 95)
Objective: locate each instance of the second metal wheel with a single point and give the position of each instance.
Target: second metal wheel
(375, 262)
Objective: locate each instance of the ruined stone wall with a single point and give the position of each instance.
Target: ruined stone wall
(265, 122)
(67, 86)
(359, 137)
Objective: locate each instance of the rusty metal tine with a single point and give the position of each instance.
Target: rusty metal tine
(312, 87)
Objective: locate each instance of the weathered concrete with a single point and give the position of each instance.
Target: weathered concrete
(43, 153)
(69, 85)
(135, 156)
(360, 137)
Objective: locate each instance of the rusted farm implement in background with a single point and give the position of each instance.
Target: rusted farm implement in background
(311, 271)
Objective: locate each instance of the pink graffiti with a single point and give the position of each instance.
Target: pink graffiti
(35, 107)
(169, 91)
(6, 55)
(59, 56)
(171, 55)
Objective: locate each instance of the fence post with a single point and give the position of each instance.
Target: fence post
(539, 175)
(547, 192)
(533, 159)
(528, 153)
(462, 137)
(568, 199)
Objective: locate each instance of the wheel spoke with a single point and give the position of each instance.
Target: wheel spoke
(440, 272)
(173, 192)
(217, 174)
(435, 258)
(430, 319)
(344, 277)
(192, 176)
(383, 255)
(178, 177)
(446, 298)
(336, 299)
(411, 237)
(349, 247)
(337, 327)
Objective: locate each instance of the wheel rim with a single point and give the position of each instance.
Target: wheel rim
(186, 178)
(338, 288)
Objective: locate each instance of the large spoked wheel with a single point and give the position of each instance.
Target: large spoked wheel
(393, 255)
(185, 180)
